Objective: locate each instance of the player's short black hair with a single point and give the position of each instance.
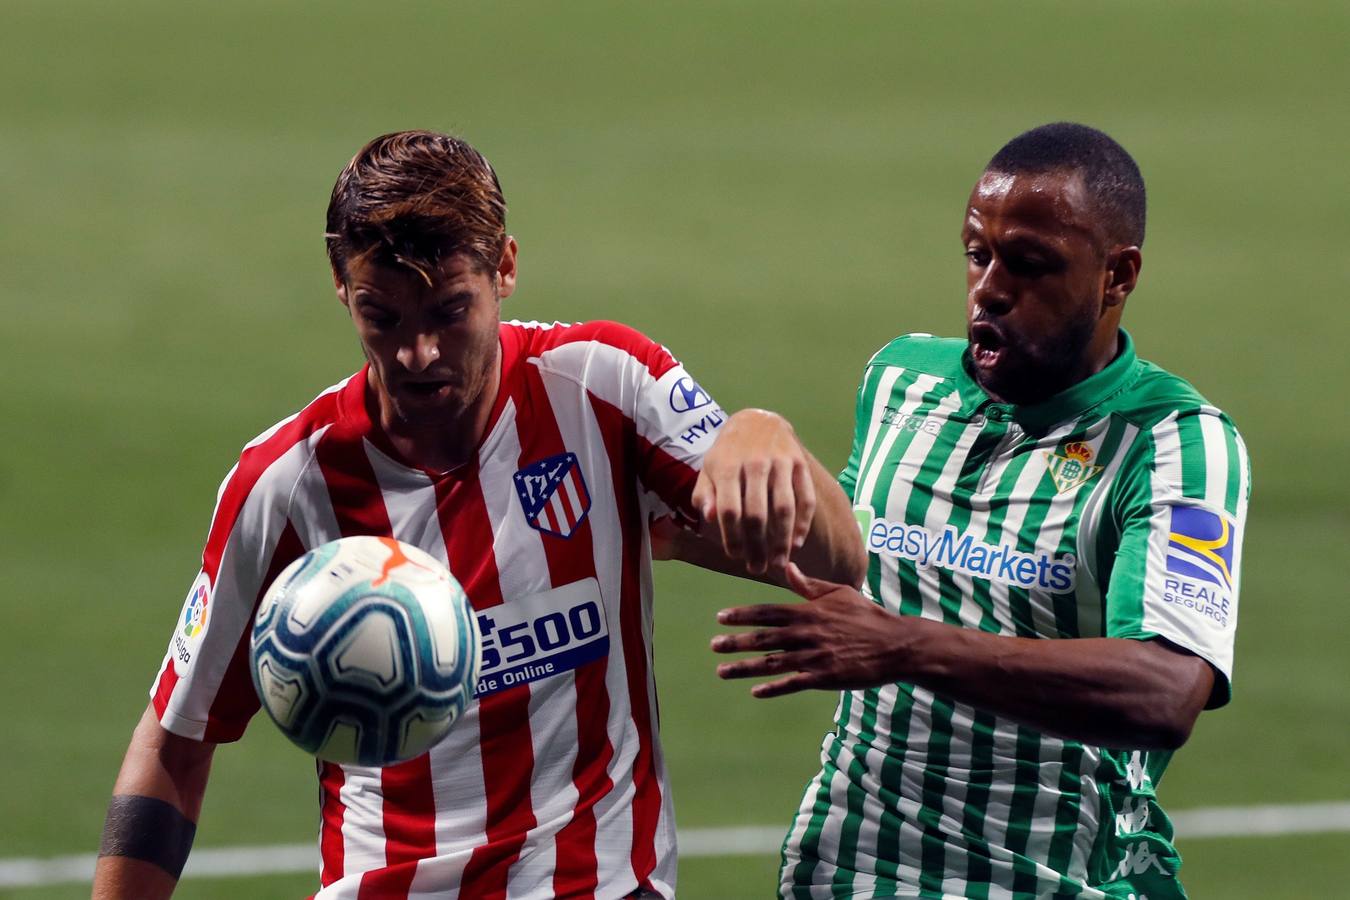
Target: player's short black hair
(1110, 174)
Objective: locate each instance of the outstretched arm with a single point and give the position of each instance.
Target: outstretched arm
(764, 500)
(1110, 692)
(153, 813)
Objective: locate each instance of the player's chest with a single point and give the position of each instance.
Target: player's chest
(981, 496)
(534, 536)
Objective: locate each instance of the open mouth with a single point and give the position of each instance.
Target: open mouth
(425, 389)
(987, 345)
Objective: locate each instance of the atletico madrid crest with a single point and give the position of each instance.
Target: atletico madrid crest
(1073, 468)
(553, 494)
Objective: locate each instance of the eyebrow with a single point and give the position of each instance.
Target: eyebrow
(1024, 241)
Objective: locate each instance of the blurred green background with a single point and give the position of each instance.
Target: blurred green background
(772, 189)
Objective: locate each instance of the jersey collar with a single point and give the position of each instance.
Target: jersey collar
(360, 415)
(1068, 404)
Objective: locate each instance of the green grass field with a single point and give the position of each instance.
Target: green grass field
(772, 189)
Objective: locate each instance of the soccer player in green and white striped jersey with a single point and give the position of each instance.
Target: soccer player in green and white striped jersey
(1054, 532)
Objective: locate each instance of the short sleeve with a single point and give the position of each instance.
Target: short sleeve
(676, 421)
(204, 690)
(1181, 509)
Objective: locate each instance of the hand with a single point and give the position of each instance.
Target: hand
(756, 485)
(838, 640)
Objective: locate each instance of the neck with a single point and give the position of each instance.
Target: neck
(450, 442)
(1103, 350)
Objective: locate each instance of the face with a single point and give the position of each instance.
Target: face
(432, 342)
(1045, 287)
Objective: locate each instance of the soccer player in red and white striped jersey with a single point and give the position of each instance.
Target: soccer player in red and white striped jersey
(538, 462)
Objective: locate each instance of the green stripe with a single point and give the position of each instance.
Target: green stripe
(1060, 852)
(1193, 462)
(1019, 605)
(1021, 816)
(1235, 469)
(911, 603)
(868, 428)
(863, 427)
(936, 856)
(868, 720)
(1066, 604)
(897, 399)
(809, 847)
(847, 854)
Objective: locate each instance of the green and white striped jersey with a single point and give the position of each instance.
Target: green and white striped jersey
(1113, 509)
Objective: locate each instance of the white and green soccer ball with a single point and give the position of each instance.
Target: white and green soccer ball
(365, 650)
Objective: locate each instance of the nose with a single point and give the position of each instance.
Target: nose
(992, 291)
(421, 351)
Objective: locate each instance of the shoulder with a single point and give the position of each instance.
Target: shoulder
(261, 459)
(573, 348)
(1157, 398)
(1186, 449)
(925, 352)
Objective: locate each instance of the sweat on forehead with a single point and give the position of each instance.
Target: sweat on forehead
(1047, 203)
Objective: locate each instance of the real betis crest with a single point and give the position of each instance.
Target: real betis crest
(1072, 469)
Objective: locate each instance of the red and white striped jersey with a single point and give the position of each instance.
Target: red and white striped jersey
(552, 784)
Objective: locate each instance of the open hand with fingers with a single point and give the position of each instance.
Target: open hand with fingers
(756, 490)
(837, 640)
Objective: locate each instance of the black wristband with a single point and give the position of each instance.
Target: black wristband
(147, 829)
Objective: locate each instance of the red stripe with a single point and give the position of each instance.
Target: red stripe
(167, 680)
(566, 502)
(409, 812)
(583, 496)
(253, 462)
(551, 517)
(646, 781)
(237, 701)
(331, 813)
(409, 807)
(572, 559)
(672, 479)
(505, 742)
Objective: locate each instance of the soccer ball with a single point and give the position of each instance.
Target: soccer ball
(365, 650)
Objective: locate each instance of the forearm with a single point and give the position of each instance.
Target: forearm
(152, 816)
(766, 501)
(1103, 691)
(833, 549)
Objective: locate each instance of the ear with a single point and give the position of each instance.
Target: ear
(506, 269)
(341, 287)
(1122, 274)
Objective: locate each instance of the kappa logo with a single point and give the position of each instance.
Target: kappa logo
(553, 494)
(1138, 859)
(1074, 468)
(1133, 816)
(903, 421)
(686, 395)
